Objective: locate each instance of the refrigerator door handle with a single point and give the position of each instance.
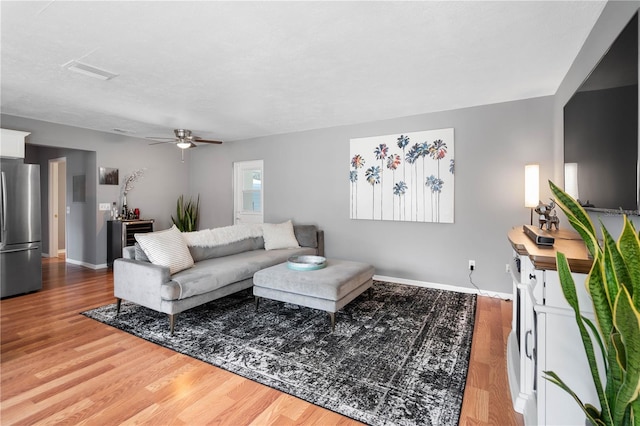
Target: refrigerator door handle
(4, 204)
(20, 249)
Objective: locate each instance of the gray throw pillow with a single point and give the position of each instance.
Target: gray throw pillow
(140, 254)
(307, 235)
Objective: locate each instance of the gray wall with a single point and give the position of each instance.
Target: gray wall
(305, 178)
(155, 194)
(81, 244)
(615, 16)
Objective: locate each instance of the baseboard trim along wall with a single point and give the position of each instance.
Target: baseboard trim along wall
(86, 265)
(449, 287)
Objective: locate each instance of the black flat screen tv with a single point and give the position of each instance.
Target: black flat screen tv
(601, 131)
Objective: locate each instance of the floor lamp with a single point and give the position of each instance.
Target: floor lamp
(531, 187)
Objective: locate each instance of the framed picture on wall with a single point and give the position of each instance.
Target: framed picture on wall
(403, 177)
(108, 176)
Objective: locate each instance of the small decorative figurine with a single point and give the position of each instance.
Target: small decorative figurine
(553, 221)
(547, 215)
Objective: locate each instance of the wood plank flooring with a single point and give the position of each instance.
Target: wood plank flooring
(59, 367)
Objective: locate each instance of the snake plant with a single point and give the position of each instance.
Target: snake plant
(614, 286)
(186, 219)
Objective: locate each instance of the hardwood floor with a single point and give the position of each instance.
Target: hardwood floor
(60, 367)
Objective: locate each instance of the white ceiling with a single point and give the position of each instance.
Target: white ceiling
(235, 70)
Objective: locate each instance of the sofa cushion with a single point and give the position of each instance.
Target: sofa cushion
(166, 248)
(211, 274)
(279, 236)
(203, 253)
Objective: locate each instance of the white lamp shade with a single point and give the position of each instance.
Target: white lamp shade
(183, 145)
(571, 179)
(531, 185)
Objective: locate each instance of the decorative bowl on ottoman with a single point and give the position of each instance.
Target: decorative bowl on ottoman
(306, 263)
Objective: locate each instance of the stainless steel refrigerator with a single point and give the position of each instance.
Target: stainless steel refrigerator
(20, 228)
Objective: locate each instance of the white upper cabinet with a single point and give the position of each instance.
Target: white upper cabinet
(12, 143)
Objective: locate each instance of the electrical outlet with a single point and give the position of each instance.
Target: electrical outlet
(104, 207)
(472, 265)
(507, 268)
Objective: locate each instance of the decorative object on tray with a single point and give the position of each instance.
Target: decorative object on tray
(538, 236)
(306, 263)
(548, 215)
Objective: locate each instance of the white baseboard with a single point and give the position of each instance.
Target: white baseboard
(63, 251)
(85, 264)
(449, 287)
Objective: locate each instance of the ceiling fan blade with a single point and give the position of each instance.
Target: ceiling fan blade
(153, 138)
(197, 139)
(161, 142)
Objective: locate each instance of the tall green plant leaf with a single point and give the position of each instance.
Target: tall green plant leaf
(602, 302)
(614, 286)
(627, 321)
(629, 246)
(603, 307)
(617, 263)
(569, 291)
(590, 411)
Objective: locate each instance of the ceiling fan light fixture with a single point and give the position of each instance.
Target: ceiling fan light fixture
(183, 144)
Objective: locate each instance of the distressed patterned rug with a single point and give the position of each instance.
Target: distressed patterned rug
(399, 356)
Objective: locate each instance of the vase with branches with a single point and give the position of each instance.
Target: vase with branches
(127, 186)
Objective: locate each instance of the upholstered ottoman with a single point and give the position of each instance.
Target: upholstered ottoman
(328, 289)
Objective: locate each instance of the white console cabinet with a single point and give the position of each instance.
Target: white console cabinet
(544, 335)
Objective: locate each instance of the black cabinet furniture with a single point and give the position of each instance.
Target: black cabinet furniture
(120, 233)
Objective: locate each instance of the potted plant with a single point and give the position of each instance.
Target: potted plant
(187, 213)
(614, 286)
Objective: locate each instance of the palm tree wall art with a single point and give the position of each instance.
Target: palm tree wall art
(425, 195)
(357, 162)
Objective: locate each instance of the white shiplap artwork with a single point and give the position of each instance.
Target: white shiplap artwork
(403, 177)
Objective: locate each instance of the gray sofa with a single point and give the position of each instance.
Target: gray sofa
(217, 272)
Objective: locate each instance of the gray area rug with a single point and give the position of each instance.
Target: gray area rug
(397, 356)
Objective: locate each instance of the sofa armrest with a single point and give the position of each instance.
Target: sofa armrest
(139, 282)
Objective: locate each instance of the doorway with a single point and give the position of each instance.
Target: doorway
(57, 212)
(248, 193)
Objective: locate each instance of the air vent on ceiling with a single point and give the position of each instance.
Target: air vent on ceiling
(89, 70)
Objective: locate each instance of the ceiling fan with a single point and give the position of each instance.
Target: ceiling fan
(183, 139)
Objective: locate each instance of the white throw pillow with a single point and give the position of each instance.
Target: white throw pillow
(279, 236)
(166, 248)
